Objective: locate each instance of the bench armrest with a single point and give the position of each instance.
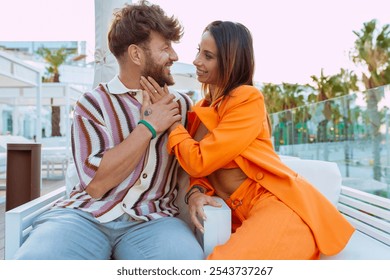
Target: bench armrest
(217, 227)
(18, 221)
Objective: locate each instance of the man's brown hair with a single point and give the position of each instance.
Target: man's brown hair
(133, 24)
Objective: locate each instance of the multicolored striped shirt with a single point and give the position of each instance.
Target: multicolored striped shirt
(102, 119)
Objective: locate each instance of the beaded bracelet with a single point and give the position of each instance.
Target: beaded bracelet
(150, 127)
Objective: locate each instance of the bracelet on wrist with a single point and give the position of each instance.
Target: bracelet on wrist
(150, 127)
(187, 198)
(193, 190)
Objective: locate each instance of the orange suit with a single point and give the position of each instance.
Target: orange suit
(275, 211)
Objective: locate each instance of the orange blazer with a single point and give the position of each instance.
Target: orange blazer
(238, 131)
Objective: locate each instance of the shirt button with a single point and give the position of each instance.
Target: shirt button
(144, 175)
(124, 205)
(259, 176)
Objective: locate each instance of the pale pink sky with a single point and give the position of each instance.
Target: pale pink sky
(293, 39)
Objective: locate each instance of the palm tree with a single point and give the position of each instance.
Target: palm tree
(340, 84)
(330, 87)
(283, 98)
(372, 52)
(292, 96)
(272, 97)
(55, 58)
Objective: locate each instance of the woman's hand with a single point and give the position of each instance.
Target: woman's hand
(195, 204)
(154, 90)
(156, 93)
(162, 114)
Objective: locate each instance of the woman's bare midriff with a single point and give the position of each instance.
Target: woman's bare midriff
(226, 181)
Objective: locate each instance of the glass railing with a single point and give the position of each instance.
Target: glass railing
(352, 131)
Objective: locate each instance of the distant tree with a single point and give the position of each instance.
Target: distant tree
(273, 97)
(283, 97)
(337, 85)
(279, 98)
(292, 96)
(55, 58)
(329, 87)
(372, 53)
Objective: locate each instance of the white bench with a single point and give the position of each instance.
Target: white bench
(18, 221)
(369, 214)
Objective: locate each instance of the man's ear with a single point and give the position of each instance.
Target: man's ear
(135, 54)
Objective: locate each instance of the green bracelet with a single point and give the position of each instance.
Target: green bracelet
(150, 127)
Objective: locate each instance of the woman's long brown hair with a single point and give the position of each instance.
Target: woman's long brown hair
(235, 56)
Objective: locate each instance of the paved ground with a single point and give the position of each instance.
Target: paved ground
(47, 186)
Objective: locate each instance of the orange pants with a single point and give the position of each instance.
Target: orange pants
(264, 228)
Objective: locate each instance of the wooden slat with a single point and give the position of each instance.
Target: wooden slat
(371, 198)
(368, 213)
(368, 219)
(370, 231)
(365, 207)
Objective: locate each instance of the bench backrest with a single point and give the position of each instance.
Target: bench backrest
(368, 213)
(324, 175)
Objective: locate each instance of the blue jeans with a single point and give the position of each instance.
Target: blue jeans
(70, 234)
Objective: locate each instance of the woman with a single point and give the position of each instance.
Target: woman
(227, 151)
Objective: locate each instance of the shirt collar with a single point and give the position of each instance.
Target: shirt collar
(115, 86)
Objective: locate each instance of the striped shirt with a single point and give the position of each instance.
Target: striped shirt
(102, 119)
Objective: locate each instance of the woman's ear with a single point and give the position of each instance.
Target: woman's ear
(135, 54)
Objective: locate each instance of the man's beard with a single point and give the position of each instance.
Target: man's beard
(156, 71)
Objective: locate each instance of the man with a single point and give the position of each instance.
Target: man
(124, 205)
